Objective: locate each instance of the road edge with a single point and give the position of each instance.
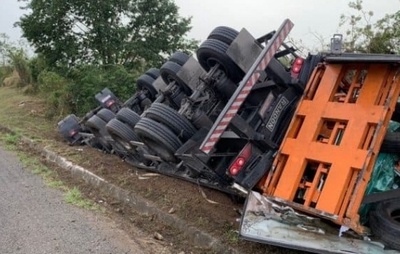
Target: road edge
(132, 200)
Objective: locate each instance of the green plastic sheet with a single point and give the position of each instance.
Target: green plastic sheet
(383, 176)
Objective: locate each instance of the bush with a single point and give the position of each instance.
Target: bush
(88, 80)
(37, 64)
(20, 63)
(5, 71)
(54, 89)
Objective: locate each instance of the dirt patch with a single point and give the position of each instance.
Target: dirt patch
(185, 200)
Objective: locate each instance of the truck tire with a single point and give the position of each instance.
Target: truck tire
(212, 52)
(391, 143)
(105, 114)
(145, 82)
(169, 72)
(158, 138)
(121, 134)
(224, 34)
(98, 127)
(179, 58)
(225, 85)
(172, 119)
(128, 117)
(153, 72)
(385, 222)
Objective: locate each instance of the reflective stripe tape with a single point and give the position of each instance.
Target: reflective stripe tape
(233, 107)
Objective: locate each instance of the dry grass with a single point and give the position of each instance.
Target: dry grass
(12, 81)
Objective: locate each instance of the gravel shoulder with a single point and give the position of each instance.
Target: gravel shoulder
(35, 219)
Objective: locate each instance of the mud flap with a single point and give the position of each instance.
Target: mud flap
(267, 222)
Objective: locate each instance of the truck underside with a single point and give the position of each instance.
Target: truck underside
(300, 136)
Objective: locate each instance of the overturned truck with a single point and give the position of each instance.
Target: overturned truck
(231, 120)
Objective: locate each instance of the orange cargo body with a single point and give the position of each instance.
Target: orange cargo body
(326, 159)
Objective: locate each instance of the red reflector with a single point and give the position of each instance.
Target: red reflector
(296, 69)
(109, 103)
(299, 61)
(240, 161)
(234, 171)
(72, 133)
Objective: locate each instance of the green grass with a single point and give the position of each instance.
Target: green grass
(56, 184)
(11, 139)
(231, 233)
(232, 236)
(24, 114)
(49, 176)
(74, 196)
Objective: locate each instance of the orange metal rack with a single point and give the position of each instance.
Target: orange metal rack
(326, 159)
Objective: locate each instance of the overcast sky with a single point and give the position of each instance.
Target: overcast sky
(262, 16)
(258, 16)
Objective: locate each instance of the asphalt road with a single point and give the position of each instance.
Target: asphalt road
(34, 219)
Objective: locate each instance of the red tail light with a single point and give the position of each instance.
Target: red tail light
(240, 160)
(296, 67)
(109, 103)
(72, 132)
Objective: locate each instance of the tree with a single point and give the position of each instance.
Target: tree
(387, 38)
(105, 32)
(359, 31)
(364, 36)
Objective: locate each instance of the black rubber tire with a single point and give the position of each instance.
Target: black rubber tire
(179, 58)
(106, 115)
(391, 143)
(145, 82)
(153, 72)
(179, 124)
(169, 72)
(225, 85)
(385, 222)
(121, 134)
(213, 51)
(128, 116)
(98, 127)
(158, 138)
(224, 34)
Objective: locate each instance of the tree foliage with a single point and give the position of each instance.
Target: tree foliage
(387, 38)
(87, 80)
(362, 35)
(106, 32)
